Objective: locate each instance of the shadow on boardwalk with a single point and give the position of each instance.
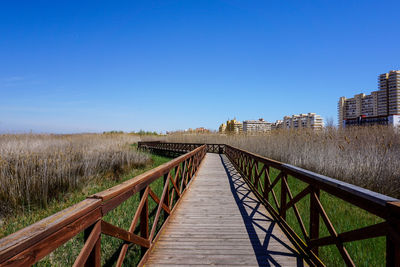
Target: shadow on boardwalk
(259, 226)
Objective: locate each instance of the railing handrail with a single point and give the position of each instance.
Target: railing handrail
(16, 242)
(163, 142)
(374, 202)
(144, 179)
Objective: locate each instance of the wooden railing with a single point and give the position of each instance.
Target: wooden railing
(31, 244)
(256, 171)
(179, 147)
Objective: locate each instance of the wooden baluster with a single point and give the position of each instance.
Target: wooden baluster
(176, 182)
(166, 198)
(250, 171)
(256, 175)
(266, 184)
(144, 220)
(183, 175)
(283, 196)
(246, 167)
(179, 178)
(314, 217)
(392, 243)
(192, 168)
(94, 258)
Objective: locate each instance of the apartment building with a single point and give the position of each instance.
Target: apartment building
(310, 121)
(234, 126)
(380, 107)
(253, 126)
(278, 124)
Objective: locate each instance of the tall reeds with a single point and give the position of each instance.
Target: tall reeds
(37, 168)
(365, 156)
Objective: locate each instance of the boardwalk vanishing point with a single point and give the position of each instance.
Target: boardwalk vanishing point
(220, 222)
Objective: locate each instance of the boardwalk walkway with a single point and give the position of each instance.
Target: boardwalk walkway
(220, 222)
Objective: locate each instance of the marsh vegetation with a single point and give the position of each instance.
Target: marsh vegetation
(35, 169)
(365, 156)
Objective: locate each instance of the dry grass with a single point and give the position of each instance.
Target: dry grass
(37, 168)
(367, 156)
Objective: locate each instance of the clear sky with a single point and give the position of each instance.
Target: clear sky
(75, 66)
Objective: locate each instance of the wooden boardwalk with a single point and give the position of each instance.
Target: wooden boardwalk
(220, 222)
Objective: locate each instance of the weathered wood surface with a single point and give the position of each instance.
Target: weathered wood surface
(220, 222)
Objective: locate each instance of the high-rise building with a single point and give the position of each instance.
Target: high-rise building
(310, 120)
(380, 107)
(253, 126)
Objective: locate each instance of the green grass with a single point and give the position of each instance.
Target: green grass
(121, 216)
(344, 217)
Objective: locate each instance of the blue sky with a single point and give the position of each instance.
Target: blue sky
(78, 66)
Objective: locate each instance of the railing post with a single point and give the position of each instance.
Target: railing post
(166, 198)
(314, 217)
(144, 220)
(393, 247)
(266, 184)
(283, 196)
(94, 258)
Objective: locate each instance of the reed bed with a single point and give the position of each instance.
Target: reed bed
(365, 156)
(37, 168)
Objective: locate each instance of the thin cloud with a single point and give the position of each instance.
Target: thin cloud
(14, 79)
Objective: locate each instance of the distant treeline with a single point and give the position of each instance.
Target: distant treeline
(141, 132)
